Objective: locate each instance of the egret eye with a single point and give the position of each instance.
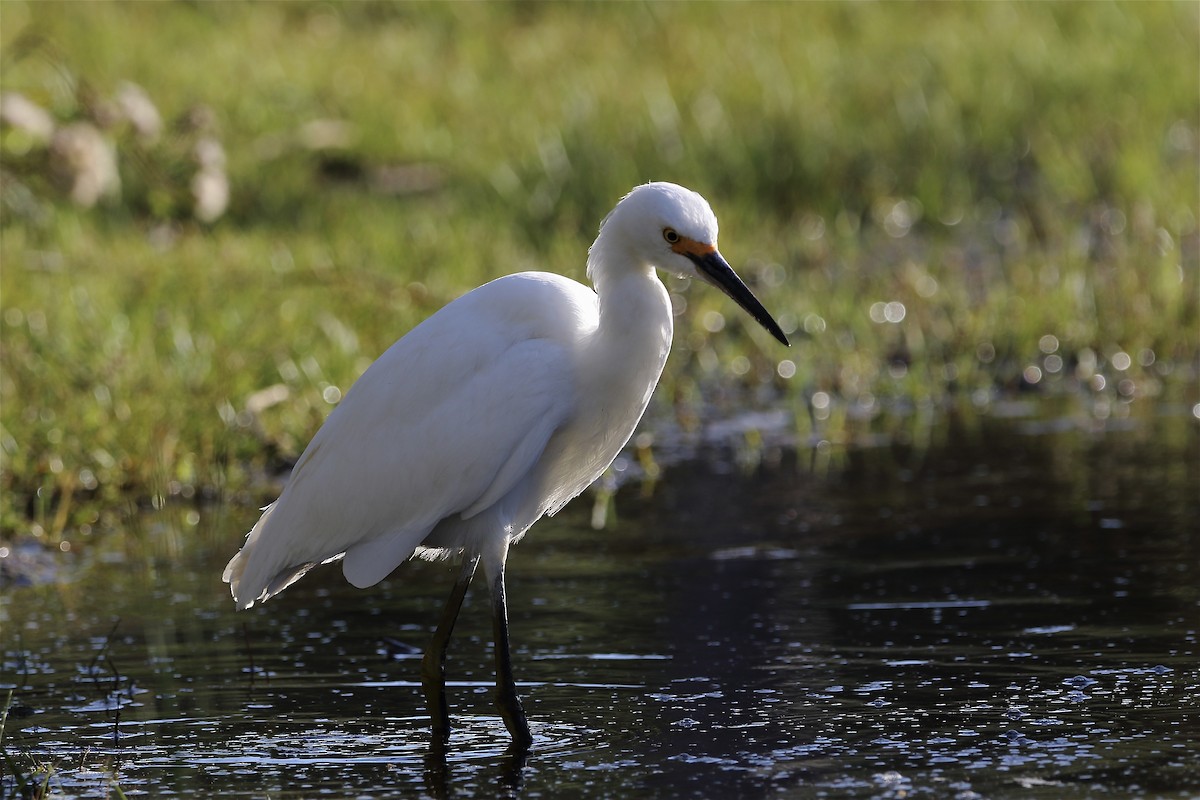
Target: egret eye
(670, 235)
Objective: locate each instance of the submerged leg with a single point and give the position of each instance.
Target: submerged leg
(433, 665)
(507, 699)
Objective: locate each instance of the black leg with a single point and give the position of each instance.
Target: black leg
(433, 665)
(507, 699)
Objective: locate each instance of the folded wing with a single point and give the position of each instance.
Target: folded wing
(445, 423)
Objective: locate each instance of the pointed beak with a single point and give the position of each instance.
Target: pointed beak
(716, 270)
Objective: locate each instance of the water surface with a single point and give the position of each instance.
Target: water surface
(993, 606)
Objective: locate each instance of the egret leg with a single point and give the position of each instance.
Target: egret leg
(507, 699)
(433, 665)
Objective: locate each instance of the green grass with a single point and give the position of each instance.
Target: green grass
(1007, 172)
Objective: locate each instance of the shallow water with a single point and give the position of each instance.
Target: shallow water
(994, 606)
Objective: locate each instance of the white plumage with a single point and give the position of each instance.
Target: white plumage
(496, 410)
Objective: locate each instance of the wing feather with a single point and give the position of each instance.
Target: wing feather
(445, 423)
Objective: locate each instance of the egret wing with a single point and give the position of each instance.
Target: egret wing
(444, 421)
(490, 436)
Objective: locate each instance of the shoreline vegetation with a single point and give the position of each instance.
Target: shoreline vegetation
(214, 216)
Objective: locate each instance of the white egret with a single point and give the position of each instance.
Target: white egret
(493, 412)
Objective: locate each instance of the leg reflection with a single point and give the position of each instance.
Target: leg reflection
(439, 783)
(437, 771)
(512, 765)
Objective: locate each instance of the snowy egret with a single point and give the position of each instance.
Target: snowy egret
(495, 411)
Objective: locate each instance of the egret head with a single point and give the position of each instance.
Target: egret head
(674, 229)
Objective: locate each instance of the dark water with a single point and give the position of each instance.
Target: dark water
(983, 607)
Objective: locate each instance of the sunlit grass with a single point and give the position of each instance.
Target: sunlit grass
(921, 194)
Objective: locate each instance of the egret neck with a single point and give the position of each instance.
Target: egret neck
(628, 350)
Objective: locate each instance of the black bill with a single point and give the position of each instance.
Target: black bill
(716, 270)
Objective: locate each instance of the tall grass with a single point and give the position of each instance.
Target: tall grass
(1018, 181)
